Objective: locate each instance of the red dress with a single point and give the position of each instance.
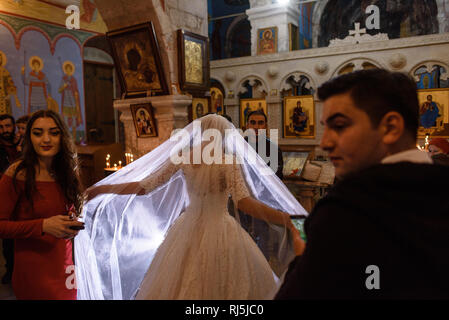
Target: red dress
(43, 264)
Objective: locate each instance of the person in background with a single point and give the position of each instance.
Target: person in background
(439, 151)
(257, 120)
(21, 125)
(258, 229)
(380, 232)
(8, 154)
(41, 198)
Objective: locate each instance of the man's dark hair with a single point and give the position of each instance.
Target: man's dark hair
(23, 119)
(7, 116)
(377, 92)
(257, 112)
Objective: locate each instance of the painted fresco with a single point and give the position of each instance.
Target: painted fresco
(42, 71)
(53, 11)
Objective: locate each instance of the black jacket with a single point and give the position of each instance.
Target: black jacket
(441, 159)
(393, 216)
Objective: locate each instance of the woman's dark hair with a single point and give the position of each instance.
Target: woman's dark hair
(377, 92)
(64, 168)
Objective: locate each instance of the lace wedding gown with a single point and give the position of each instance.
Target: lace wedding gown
(206, 254)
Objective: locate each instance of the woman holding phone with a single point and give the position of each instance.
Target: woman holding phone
(41, 200)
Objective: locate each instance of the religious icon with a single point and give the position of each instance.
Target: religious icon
(70, 101)
(294, 163)
(7, 87)
(217, 100)
(39, 93)
(194, 70)
(249, 105)
(267, 40)
(136, 55)
(200, 106)
(193, 61)
(293, 32)
(299, 117)
(144, 120)
(433, 113)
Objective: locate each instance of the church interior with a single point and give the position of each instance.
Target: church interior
(139, 69)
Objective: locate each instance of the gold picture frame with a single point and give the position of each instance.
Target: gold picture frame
(299, 117)
(293, 39)
(217, 95)
(138, 62)
(249, 105)
(433, 113)
(199, 107)
(267, 40)
(144, 120)
(194, 68)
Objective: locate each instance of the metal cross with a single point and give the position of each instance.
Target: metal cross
(357, 32)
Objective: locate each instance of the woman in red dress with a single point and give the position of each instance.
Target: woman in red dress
(41, 198)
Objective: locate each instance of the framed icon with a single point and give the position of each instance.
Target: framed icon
(137, 59)
(433, 113)
(193, 63)
(249, 105)
(144, 120)
(267, 40)
(299, 117)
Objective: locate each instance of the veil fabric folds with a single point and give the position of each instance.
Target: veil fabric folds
(126, 224)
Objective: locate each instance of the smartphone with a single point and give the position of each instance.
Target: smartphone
(77, 227)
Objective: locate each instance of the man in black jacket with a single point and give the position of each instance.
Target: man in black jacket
(258, 229)
(382, 232)
(8, 154)
(257, 120)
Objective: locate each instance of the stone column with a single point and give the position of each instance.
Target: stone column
(170, 112)
(274, 108)
(263, 14)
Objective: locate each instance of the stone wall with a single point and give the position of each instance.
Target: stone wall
(319, 65)
(167, 16)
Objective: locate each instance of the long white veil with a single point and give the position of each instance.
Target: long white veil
(124, 226)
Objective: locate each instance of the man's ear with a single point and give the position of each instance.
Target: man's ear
(392, 127)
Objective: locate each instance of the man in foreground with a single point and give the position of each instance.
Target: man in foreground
(382, 232)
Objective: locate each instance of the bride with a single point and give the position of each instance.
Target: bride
(160, 228)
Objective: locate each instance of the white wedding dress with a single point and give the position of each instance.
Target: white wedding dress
(206, 253)
(177, 239)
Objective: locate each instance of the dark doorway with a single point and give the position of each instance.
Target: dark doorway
(100, 120)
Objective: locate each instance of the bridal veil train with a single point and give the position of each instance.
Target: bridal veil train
(160, 228)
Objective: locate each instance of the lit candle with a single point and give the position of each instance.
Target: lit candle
(115, 166)
(132, 157)
(120, 164)
(108, 165)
